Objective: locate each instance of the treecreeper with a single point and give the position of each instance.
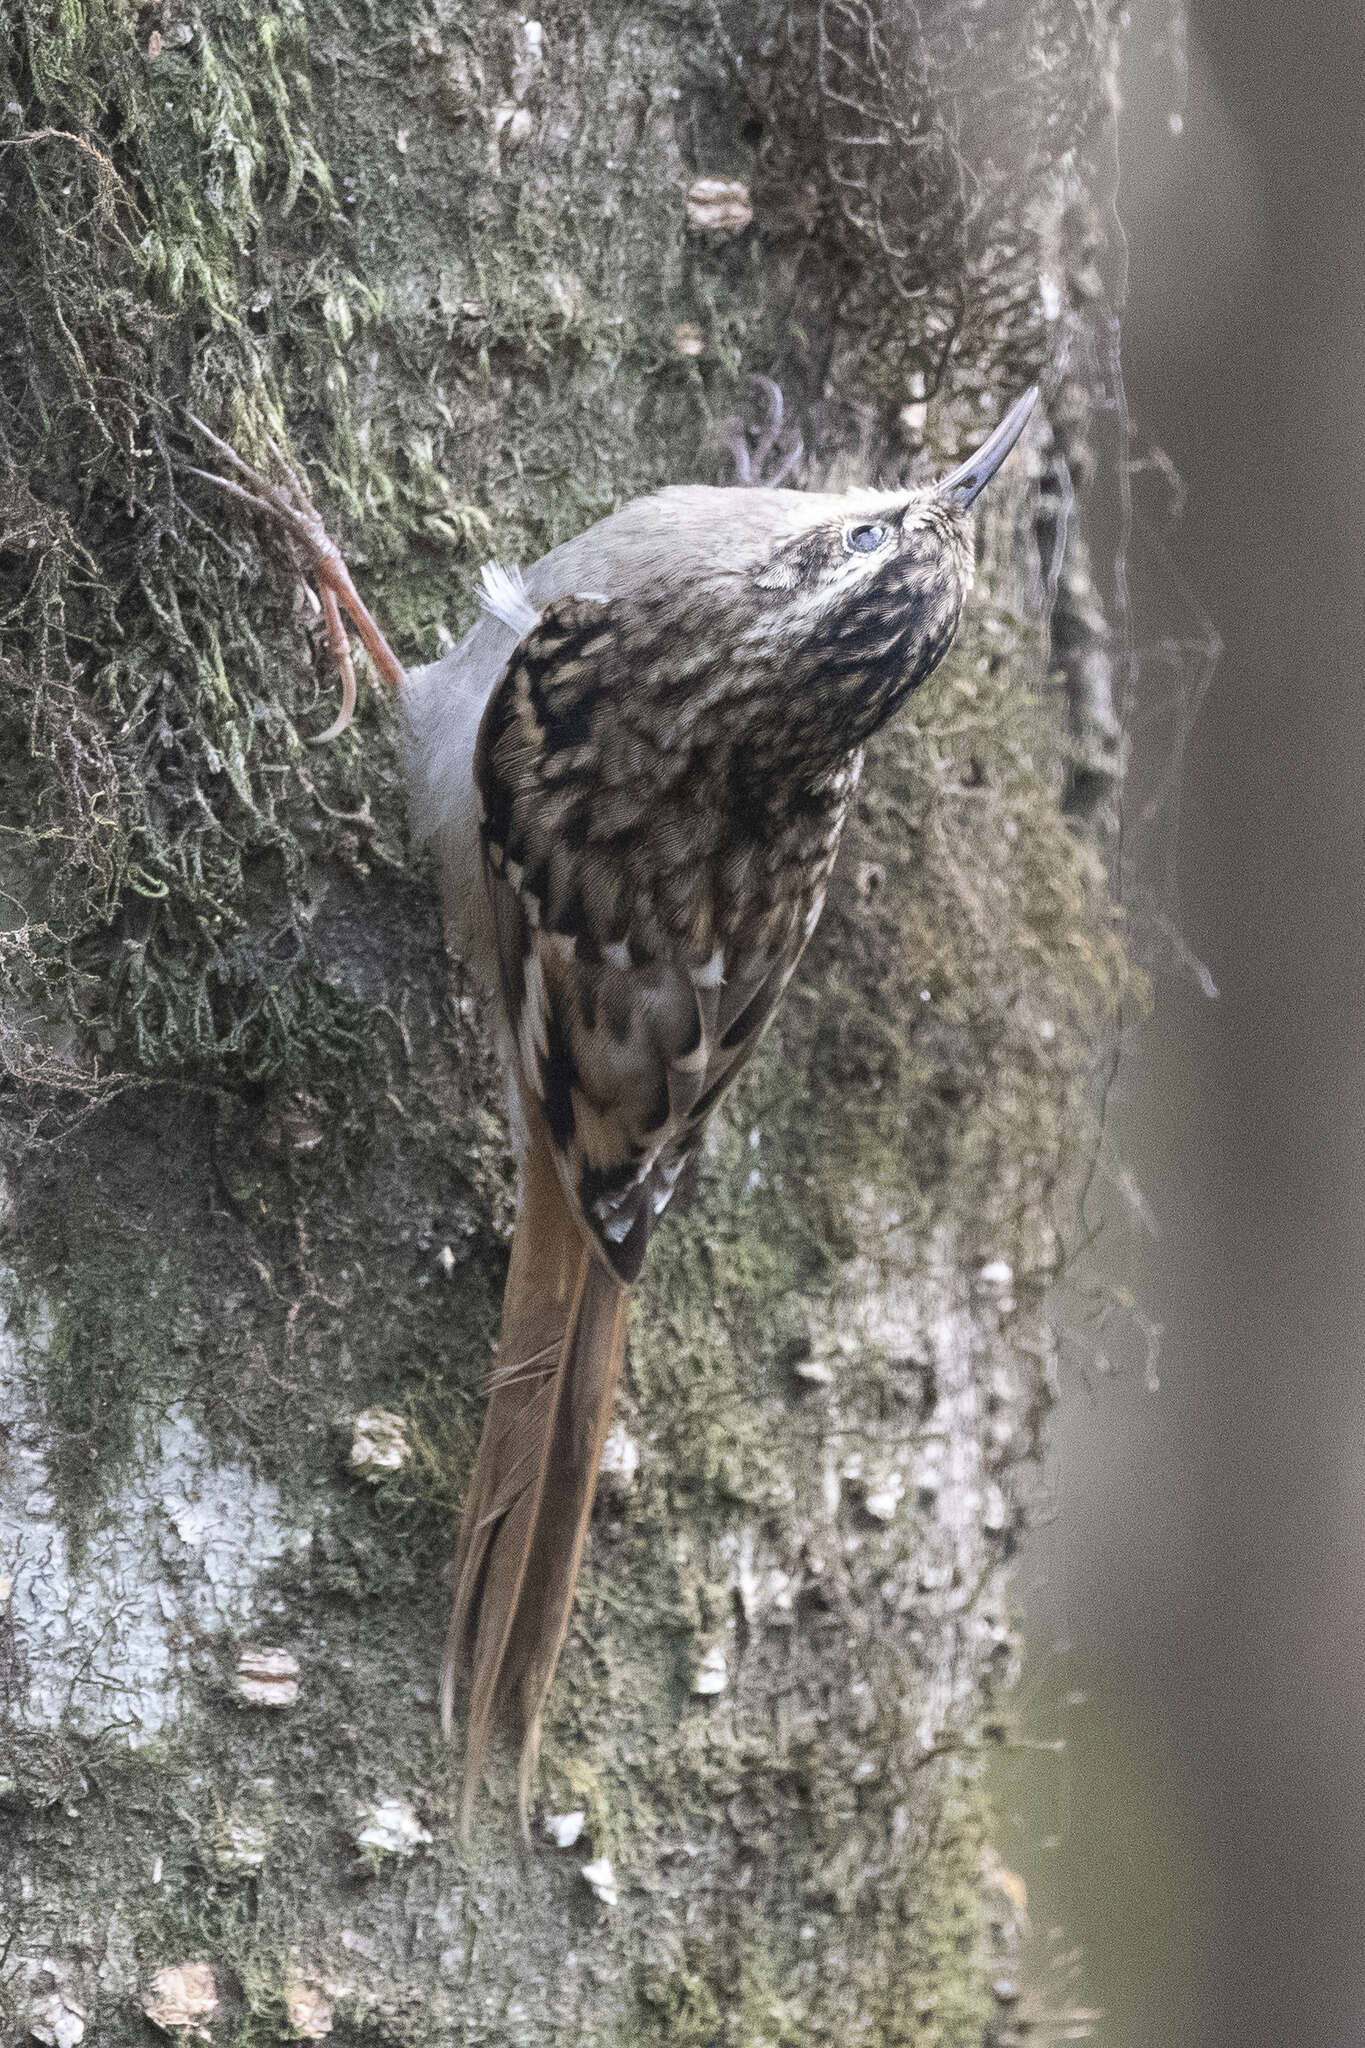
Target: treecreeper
(636, 767)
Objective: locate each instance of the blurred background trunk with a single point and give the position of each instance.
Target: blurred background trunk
(1203, 1570)
(488, 276)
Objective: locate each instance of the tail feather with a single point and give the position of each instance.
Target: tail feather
(526, 1515)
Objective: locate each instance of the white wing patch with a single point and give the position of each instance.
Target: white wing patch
(505, 596)
(532, 1032)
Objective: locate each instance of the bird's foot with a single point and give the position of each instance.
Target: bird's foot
(291, 504)
(766, 453)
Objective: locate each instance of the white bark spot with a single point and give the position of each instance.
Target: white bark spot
(308, 2011)
(713, 1673)
(182, 1999)
(620, 1460)
(379, 1442)
(564, 1829)
(391, 1827)
(57, 2022)
(268, 1678)
(719, 206)
(602, 1879)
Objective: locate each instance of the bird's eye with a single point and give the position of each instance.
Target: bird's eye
(864, 540)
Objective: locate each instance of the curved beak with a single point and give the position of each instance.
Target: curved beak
(970, 478)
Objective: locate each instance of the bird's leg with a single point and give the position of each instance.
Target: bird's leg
(291, 504)
(775, 441)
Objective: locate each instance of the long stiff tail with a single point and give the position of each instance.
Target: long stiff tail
(526, 1514)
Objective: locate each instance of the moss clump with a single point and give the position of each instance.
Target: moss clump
(156, 780)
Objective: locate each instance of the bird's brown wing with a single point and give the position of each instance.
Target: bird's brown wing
(624, 1041)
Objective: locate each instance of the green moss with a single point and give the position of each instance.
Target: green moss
(104, 1357)
(919, 1954)
(678, 2008)
(939, 2001)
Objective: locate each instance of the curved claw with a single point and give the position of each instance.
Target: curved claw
(772, 427)
(773, 438)
(341, 654)
(293, 507)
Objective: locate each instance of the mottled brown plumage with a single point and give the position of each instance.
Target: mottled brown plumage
(637, 767)
(636, 987)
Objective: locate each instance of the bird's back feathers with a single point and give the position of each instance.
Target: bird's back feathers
(632, 993)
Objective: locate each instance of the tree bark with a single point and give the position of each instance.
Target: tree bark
(257, 1185)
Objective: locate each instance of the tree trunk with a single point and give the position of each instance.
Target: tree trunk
(487, 277)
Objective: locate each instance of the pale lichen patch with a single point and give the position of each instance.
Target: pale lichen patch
(105, 1635)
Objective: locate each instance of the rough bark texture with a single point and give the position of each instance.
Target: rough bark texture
(256, 1176)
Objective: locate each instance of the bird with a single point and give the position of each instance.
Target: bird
(636, 767)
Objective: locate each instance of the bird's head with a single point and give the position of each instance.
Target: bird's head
(787, 619)
(783, 627)
(862, 591)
